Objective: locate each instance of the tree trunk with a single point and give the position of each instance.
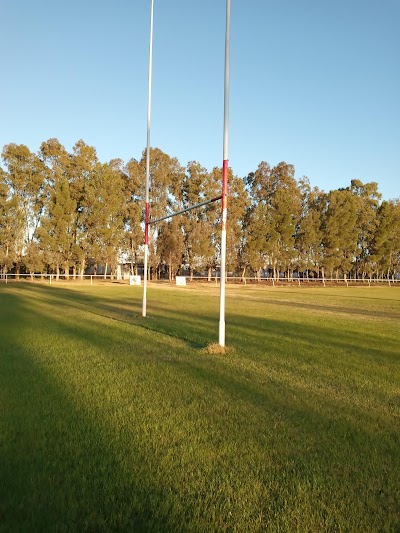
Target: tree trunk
(82, 267)
(105, 271)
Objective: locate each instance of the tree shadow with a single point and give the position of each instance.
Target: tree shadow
(59, 469)
(287, 439)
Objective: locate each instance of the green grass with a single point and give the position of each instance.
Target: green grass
(112, 422)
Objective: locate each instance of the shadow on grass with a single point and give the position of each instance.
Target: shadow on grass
(58, 472)
(197, 329)
(338, 362)
(102, 307)
(256, 442)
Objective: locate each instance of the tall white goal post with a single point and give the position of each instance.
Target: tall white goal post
(225, 177)
(225, 170)
(147, 202)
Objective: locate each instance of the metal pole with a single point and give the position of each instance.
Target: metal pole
(206, 202)
(224, 178)
(146, 223)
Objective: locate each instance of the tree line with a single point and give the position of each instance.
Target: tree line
(61, 212)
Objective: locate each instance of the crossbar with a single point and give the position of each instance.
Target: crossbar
(185, 210)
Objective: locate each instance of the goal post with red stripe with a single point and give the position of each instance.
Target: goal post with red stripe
(225, 169)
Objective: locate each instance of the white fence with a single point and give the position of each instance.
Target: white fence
(52, 278)
(274, 282)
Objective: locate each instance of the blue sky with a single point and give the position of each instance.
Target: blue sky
(313, 83)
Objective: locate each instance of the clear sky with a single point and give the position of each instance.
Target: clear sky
(315, 83)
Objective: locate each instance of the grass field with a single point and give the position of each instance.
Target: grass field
(112, 422)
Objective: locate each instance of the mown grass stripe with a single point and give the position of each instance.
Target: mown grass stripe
(109, 426)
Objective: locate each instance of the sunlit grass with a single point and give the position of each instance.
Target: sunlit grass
(114, 422)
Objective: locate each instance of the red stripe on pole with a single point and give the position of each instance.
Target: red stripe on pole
(146, 225)
(224, 184)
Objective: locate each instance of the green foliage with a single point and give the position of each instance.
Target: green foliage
(199, 225)
(309, 233)
(56, 234)
(34, 259)
(105, 213)
(386, 244)
(339, 226)
(277, 191)
(170, 245)
(79, 211)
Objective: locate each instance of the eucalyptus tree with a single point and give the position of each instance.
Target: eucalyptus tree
(208, 229)
(24, 178)
(166, 176)
(56, 160)
(368, 199)
(197, 225)
(134, 199)
(34, 259)
(253, 251)
(56, 234)
(105, 213)
(83, 165)
(286, 209)
(4, 226)
(339, 228)
(259, 183)
(277, 190)
(386, 243)
(12, 227)
(238, 203)
(170, 245)
(308, 240)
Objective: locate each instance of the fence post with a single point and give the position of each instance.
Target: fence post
(91, 280)
(6, 279)
(50, 279)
